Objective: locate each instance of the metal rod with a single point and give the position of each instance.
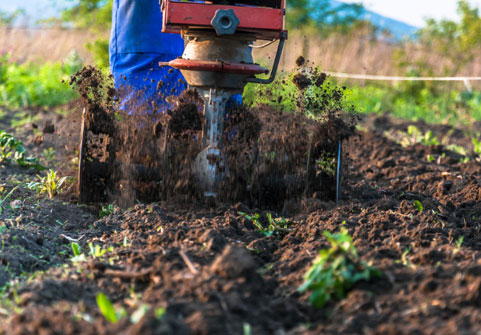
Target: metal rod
(274, 66)
(338, 176)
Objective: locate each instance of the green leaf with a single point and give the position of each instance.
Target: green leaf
(418, 205)
(159, 313)
(106, 307)
(76, 249)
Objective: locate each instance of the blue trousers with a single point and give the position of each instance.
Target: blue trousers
(136, 47)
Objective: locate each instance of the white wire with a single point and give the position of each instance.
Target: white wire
(396, 78)
(262, 45)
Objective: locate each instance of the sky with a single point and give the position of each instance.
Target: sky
(413, 12)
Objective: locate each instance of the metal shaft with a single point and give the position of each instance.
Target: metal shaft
(210, 165)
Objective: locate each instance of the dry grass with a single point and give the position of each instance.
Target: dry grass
(360, 54)
(41, 45)
(355, 53)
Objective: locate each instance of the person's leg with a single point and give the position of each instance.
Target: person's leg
(137, 45)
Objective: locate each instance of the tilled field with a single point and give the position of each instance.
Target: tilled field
(214, 273)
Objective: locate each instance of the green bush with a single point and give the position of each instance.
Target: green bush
(335, 270)
(31, 84)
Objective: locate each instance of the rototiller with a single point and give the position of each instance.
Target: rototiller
(217, 61)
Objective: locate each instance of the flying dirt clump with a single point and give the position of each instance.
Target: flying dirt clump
(301, 81)
(300, 61)
(97, 96)
(274, 158)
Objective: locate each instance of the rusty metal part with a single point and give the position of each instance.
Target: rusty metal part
(263, 22)
(215, 66)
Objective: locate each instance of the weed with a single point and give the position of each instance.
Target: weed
(416, 136)
(476, 145)
(159, 313)
(327, 164)
(457, 149)
(107, 210)
(336, 270)
(404, 258)
(50, 184)
(12, 149)
(5, 198)
(276, 226)
(30, 84)
(247, 329)
(48, 155)
(459, 242)
(107, 309)
(418, 205)
(98, 252)
(78, 255)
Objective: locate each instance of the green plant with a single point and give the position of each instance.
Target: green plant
(404, 256)
(275, 226)
(48, 155)
(418, 205)
(159, 313)
(78, 255)
(97, 251)
(336, 270)
(5, 198)
(107, 210)
(327, 164)
(12, 149)
(107, 308)
(30, 84)
(459, 242)
(50, 184)
(416, 136)
(476, 145)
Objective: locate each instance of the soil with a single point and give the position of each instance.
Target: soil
(160, 247)
(214, 273)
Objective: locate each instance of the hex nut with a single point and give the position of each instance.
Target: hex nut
(225, 22)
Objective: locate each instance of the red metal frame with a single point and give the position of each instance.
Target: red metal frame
(266, 23)
(216, 66)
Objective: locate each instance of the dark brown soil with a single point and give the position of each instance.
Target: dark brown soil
(216, 274)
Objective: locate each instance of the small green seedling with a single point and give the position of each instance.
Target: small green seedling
(276, 226)
(50, 184)
(247, 329)
(96, 251)
(107, 309)
(404, 258)
(48, 154)
(459, 242)
(78, 255)
(107, 210)
(476, 146)
(12, 149)
(159, 313)
(5, 198)
(418, 205)
(336, 270)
